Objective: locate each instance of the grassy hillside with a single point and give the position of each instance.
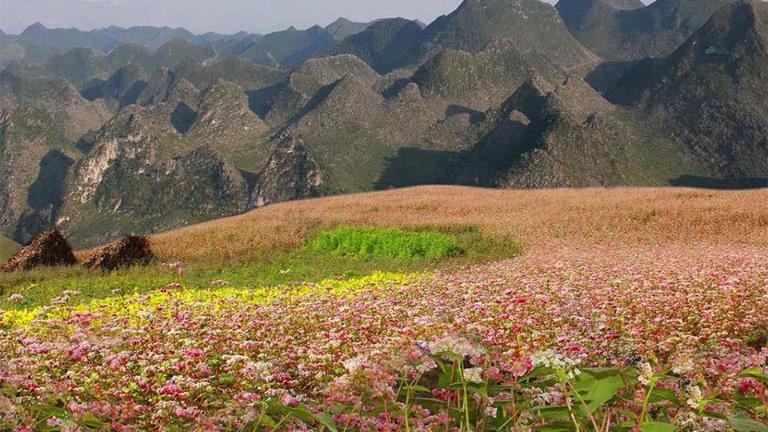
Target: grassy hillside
(535, 218)
(7, 247)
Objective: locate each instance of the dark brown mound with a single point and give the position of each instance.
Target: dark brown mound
(127, 252)
(47, 249)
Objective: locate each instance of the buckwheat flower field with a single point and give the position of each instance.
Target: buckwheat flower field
(592, 336)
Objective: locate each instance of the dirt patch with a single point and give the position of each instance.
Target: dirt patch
(47, 249)
(127, 252)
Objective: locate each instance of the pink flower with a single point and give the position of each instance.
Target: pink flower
(79, 351)
(170, 389)
(192, 352)
(16, 298)
(749, 385)
(186, 413)
(75, 408)
(443, 394)
(289, 400)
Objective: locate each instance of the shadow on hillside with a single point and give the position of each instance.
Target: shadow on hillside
(182, 118)
(414, 166)
(45, 196)
(260, 101)
(720, 183)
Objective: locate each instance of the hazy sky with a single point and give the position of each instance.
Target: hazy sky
(227, 16)
(210, 15)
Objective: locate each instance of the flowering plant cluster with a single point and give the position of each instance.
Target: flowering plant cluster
(663, 339)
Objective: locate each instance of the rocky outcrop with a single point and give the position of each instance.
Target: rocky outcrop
(290, 174)
(224, 120)
(40, 120)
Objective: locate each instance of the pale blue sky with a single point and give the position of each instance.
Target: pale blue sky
(226, 16)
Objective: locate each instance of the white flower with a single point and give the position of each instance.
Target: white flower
(553, 360)
(232, 359)
(474, 375)
(456, 346)
(683, 367)
(687, 419)
(257, 370)
(646, 373)
(694, 396)
(354, 364)
(491, 411)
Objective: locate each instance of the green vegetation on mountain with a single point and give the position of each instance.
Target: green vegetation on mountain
(712, 91)
(385, 45)
(81, 66)
(287, 48)
(307, 82)
(629, 31)
(531, 25)
(484, 79)
(40, 122)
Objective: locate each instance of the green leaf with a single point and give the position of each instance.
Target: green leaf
(658, 395)
(743, 424)
(748, 402)
(657, 427)
(539, 371)
(416, 389)
(327, 421)
(755, 373)
(302, 413)
(597, 388)
(551, 412)
(551, 428)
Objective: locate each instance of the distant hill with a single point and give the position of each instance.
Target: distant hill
(385, 45)
(38, 43)
(342, 28)
(531, 25)
(81, 66)
(629, 30)
(7, 247)
(713, 89)
(284, 48)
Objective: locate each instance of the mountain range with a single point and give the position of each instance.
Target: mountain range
(121, 131)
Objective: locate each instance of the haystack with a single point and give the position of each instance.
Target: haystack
(47, 249)
(127, 252)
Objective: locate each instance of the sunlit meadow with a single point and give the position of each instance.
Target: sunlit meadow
(627, 310)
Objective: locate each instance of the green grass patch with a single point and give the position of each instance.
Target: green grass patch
(387, 242)
(436, 247)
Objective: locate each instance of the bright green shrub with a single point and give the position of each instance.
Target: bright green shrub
(391, 242)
